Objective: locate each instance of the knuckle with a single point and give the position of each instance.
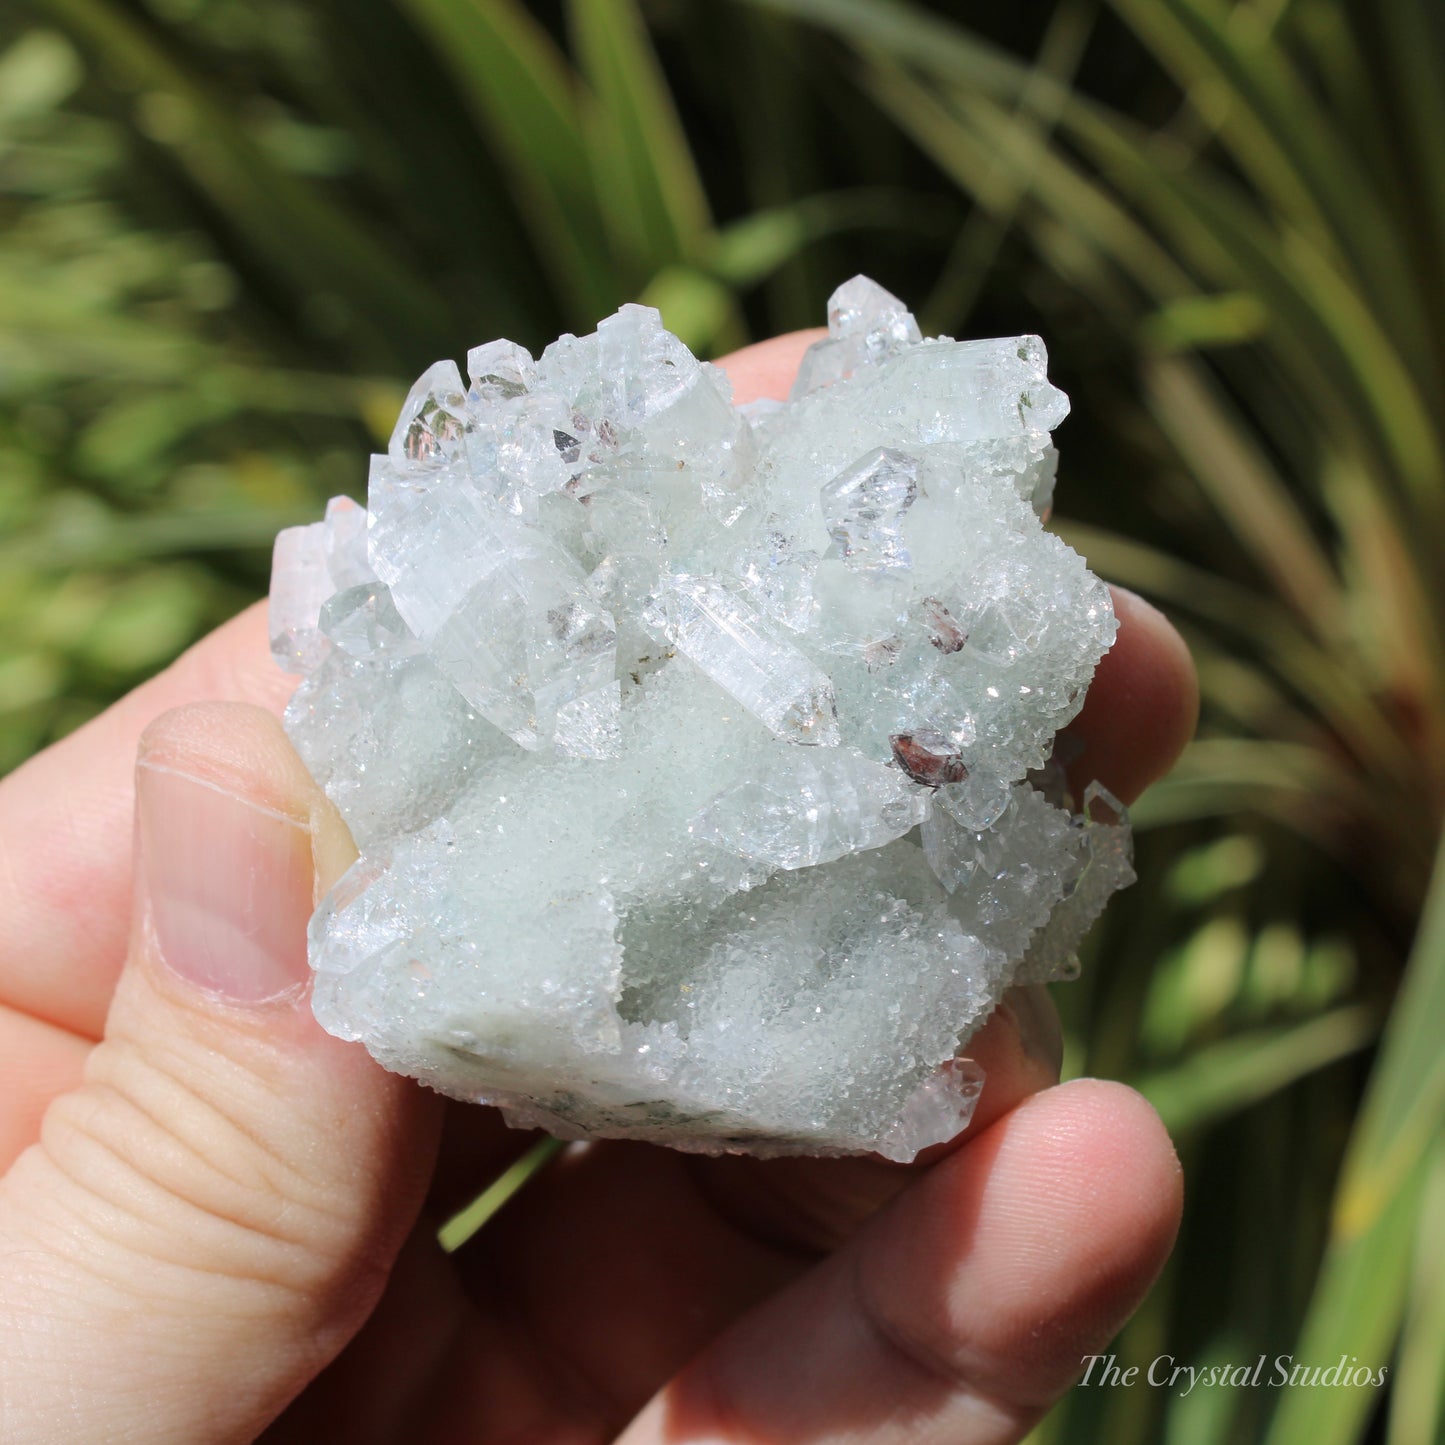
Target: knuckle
(168, 1167)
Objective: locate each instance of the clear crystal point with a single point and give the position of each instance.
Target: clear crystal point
(715, 629)
(363, 622)
(816, 807)
(500, 371)
(433, 423)
(866, 325)
(300, 584)
(861, 307)
(863, 509)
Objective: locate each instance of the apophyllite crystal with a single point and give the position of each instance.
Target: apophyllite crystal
(699, 756)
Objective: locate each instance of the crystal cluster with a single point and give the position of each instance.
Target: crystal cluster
(699, 756)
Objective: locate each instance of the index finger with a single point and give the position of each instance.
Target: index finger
(65, 831)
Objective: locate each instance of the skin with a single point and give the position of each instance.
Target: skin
(217, 1221)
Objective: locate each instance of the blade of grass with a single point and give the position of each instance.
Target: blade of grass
(1417, 1399)
(976, 248)
(1289, 146)
(963, 134)
(1388, 605)
(1245, 488)
(463, 1225)
(916, 36)
(1223, 1078)
(311, 241)
(972, 159)
(1294, 657)
(524, 97)
(746, 252)
(961, 60)
(1414, 39)
(648, 186)
(1362, 1287)
(1293, 783)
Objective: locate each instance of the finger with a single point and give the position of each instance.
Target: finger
(211, 1215)
(65, 831)
(1139, 713)
(966, 1308)
(815, 1205)
(767, 368)
(37, 1062)
(1141, 707)
(672, 1248)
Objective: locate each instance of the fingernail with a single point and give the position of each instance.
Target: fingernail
(1132, 600)
(228, 886)
(1037, 1020)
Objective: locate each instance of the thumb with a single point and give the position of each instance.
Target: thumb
(212, 1214)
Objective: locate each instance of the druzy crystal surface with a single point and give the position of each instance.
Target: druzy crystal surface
(699, 757)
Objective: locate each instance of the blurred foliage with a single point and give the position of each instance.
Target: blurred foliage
(232, 230)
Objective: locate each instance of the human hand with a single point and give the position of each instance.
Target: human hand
(214, 1216)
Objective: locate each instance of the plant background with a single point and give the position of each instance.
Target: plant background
(231, 232)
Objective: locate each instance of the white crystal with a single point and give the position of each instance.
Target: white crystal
(1108, 866)
(813, 807)
(863, 509)
(977, 801)
(778, 578)
(300, 584)
(717, 630)
(433, 423)
(309, 566)
(866, 325)
(503, 610)
(363, 622)
(686, 746)
(345, 535)
(500, 370)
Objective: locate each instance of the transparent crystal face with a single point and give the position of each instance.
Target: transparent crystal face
(699, 757)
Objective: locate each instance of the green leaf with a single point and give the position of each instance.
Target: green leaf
(463, 1225)
(311, 241)
(1245, 487)
(1275, 638)
(647, 183)
(1361, 1293)
(970, 261)
(525, 99)
(1413, 33)
(920, 38)
(745, 252)
(106, 539)
(1286, 142)
(1201, 322)
(1417, 1399)
(1223, 1078)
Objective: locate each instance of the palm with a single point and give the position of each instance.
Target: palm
(622, 1262)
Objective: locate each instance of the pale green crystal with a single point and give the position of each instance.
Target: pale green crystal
(687, 747)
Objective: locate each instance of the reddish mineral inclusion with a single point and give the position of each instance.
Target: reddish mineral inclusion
(928, 758)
